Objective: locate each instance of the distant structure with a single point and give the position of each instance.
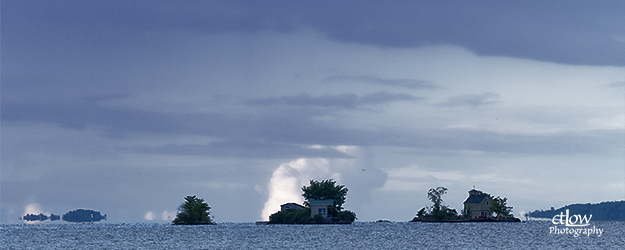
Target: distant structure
(320, 207)
(291, 205)
(479, 204)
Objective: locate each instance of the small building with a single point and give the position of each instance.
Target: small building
(321, 207)
(290, 205)
(479, 203)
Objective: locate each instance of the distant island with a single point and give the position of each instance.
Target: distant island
(609, 210)
(478, 207)
(78, 215)
(193, 211)
(323, 205)
(83, 215)
(40, 217)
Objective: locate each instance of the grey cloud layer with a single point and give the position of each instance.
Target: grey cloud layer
(340, 100)
(471, 100)
(268, 133)
(405, 83)
(570, 32)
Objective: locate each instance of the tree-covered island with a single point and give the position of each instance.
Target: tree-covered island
(78, 216)
(194, 211)
(478, 207)
(323, 204)
(607, 210)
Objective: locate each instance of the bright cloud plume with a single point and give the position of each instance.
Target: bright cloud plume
(356, 173)
(32, 208)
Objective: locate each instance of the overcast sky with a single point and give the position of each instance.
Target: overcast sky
(125, 107)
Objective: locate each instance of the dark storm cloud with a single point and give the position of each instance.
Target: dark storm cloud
(340, 100)
(471, 100)
(404, 83)
(289, 125)
(569, 32)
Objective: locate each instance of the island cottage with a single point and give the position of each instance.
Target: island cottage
(479, 203)
(320, 207)
(291, 205)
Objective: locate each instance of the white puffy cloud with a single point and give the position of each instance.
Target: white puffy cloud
(149, 216)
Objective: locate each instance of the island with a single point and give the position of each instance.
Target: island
(608, 210)
(78, 215)
(478, 207)
(323, 205)
(40, 217)
(83, 215)
(193, 211)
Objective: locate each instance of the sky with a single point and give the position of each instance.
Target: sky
(126, 107)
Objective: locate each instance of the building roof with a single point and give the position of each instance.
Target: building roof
(321, 202)
(476, 198)
(292, 204)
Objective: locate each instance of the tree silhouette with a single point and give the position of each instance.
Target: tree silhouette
(193, 211)
(325, 190)
(499, 207)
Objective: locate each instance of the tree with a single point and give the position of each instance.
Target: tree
(193, 211)
(325, 190)
(347, 216)
(435, 195)
(499, 207)
(466, 212)
(438, 211)
(329, 190)
(422, 213)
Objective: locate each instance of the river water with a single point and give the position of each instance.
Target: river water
(359, 235)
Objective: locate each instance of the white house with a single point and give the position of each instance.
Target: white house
(321, 207)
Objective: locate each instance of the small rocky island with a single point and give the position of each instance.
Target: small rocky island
(478, 207)
(323, 205)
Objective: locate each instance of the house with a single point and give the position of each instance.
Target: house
(291, 205)
(321, 207)
(479, 203)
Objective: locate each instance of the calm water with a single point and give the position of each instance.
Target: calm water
(360, 235)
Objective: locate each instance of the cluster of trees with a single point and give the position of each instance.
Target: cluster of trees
(500, 207)
(294, 216)
(438, 211)
(441, 212)
(318, 190)
(193, 211)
